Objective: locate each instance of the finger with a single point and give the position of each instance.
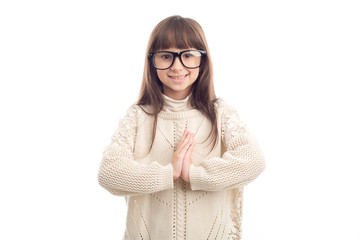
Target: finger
(184, 140)
(186, 145)
(185, 148)
(191, 138)
(187, 156)
(191, 148)
(185, 134)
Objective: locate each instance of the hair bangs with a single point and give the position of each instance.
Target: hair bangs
(177, 34)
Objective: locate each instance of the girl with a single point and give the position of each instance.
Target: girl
(180, 156)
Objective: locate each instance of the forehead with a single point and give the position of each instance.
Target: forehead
(176, 50)
(176, 39)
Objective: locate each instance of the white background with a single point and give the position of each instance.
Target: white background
(70, 69)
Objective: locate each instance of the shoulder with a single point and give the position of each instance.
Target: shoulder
(227, 113)
(136, 114)
(222, 106)
(136, 111)
(132, 116)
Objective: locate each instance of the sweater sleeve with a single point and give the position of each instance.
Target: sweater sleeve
(120, 173)
(241, 162)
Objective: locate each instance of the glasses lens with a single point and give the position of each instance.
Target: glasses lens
(162, 60)
(191, 58)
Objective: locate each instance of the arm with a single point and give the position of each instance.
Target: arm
(120, 174)
(241, 163)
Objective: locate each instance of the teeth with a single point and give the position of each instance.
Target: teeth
(180, 77)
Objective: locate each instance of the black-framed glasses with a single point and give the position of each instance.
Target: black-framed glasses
(162, 60)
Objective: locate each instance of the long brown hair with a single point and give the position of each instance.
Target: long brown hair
(181, 33)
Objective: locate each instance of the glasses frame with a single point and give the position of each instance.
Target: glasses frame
(176, 54)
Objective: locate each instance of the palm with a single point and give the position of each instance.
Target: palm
(182, 156)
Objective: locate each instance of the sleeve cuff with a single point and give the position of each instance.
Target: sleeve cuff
(196, 177)
(166, 177)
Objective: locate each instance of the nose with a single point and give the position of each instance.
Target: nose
(177, 65)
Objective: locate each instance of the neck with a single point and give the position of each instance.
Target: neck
(175, 105)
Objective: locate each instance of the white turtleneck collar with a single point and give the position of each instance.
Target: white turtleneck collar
(172, 105)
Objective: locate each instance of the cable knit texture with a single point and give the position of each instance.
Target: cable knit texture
(210, 206)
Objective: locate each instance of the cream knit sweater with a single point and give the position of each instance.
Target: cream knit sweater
(160, 208)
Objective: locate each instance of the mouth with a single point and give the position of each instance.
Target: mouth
(178, 78)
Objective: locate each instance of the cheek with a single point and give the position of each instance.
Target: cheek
(194, 74)
(161, 75)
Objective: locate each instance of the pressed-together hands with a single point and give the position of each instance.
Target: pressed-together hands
(182, 156)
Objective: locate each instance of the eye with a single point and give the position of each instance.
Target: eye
(166, 56)
(188, 55)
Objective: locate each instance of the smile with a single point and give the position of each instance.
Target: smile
(179, 78)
